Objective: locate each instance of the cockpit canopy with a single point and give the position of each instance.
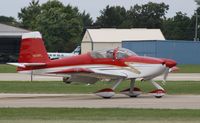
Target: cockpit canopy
(117, 53)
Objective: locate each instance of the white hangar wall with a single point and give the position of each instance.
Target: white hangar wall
(106, 38)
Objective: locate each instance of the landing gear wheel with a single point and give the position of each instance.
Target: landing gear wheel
(158, 96)
(158, 93)
(106, 93)
(133, 96)
(106, 97)
(136, 92)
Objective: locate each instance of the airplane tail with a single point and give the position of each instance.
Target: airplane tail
(77, 50)
(32, 52)
(32, 49)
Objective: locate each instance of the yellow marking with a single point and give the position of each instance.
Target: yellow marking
(133, 69)
(36, 55)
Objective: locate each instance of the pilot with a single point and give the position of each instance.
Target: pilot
(109, 54)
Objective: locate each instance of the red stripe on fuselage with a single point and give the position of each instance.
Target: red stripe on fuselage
(86, 59)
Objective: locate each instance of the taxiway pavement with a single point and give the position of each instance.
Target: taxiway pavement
(92, 101)
(26, 77)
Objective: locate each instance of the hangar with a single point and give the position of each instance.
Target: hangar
(105, 38)
(184, 52)
(9, 42)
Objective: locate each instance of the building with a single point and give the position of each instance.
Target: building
(184, 52)
(9, 42)
(105, 38)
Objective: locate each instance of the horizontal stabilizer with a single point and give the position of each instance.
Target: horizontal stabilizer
(26, 64)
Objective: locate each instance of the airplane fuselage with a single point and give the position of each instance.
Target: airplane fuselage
(111, 64)
(149, 67)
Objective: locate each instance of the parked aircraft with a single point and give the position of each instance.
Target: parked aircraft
(57, 55)
(114, 65)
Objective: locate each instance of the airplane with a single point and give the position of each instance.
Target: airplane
(57, 55)
(114, 65)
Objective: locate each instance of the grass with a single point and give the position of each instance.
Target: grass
(189, 68)
(180, 87)
(4, 68)
(97, 115)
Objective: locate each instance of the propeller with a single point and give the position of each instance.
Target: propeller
(133, 69)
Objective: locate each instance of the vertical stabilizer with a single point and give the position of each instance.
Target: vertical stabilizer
(32, 49)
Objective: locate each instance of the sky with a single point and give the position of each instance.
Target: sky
(12, 7)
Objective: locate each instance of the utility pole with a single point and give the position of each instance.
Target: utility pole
(31, 75)
(196, 25)
(196, 28)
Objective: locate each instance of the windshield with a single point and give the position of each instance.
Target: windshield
(121, 53)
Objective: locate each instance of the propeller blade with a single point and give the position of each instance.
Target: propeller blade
(174, 69)
(133, 69)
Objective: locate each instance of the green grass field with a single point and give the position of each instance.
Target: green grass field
(189, 69)
(4, 68)
(180, 87)
(89, 115)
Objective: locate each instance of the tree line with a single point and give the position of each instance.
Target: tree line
(63, 26)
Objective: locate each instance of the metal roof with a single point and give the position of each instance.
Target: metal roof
(6, 30)
(118, 35)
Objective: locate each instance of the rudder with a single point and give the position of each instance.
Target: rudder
(32, 49)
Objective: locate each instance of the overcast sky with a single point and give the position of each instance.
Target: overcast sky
(12, 7)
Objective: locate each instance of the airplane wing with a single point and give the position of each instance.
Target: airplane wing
(94, 72)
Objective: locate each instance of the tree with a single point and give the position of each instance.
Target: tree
(111, 17)
(149, 15)
(178, 27)
(9, 21)
(86, 19)
(198, 2)
(29, 14)
(60, 25)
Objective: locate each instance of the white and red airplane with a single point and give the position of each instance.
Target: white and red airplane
(58, 55)
(115, 65)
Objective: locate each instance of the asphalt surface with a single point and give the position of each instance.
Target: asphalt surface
(92, 101)
(26, 77)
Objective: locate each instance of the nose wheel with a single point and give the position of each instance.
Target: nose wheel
(159, 92)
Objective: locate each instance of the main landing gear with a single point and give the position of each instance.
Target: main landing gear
(109, 92)
(132, 91)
